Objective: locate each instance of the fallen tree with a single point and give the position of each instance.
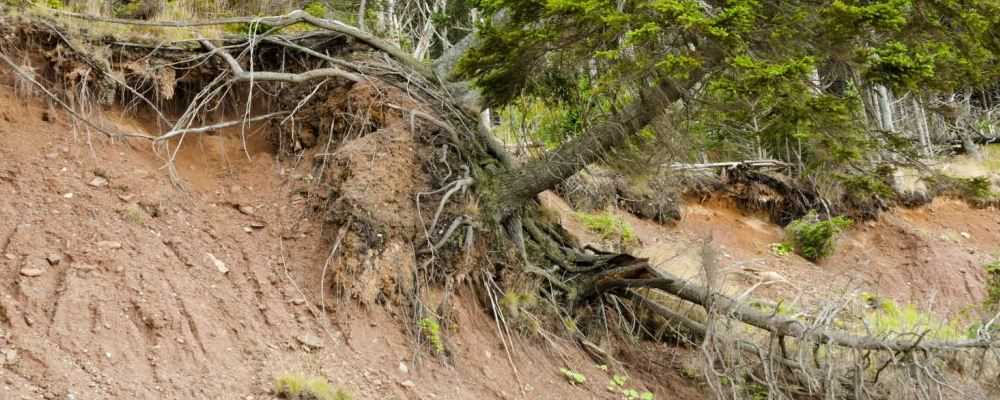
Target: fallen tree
(577, 278)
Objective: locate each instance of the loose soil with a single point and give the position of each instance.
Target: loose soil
(118, 282)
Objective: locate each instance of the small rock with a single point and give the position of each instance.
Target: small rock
(311, 341)
(298, 301)
(258, 225)
(403, 369)
(407, 383)
(9, 356)
(98, 182)
(217, 263)
(83, 266)
(31, 272)
(247, 229)
(245, 209)
(966, 235)
(109, 244)
(54, 259)
(68, 195)
(51, 156)
(126, 197)
(9, 256)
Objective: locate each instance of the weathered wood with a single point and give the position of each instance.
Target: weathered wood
(779, 325)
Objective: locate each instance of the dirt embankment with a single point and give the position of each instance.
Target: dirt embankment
(931, 257)
(114, 283)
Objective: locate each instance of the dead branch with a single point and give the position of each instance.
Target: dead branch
(240, 74)
(208, 128)
(281, 21)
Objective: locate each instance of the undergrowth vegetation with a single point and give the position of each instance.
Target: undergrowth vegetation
(888, 318)
(992, 284)
(813, 238)
(610, 227)
(431, 330)
(300, 387)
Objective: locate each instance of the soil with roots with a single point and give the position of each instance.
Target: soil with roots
(114, 283)
(324, 242)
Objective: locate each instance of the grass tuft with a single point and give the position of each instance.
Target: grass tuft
(301, 387)
(609, 226)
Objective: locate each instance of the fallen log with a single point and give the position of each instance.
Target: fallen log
(619, 279)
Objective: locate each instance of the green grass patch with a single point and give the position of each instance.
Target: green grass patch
(813, 238)
(301, 387)
(609, 226)
(888, 318)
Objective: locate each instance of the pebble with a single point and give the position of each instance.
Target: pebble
(83, 266)
(68, 195)
(9, 256)
(217, 263)
(298, 301)
(109, 244)
(407, 383)
(966, 235)
(402, 368)
(31, 272)
(9, 356)
(98, 182)
(311, 341)
(54, 259)
(246, 210)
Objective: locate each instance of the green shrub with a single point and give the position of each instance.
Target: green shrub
(977, 191)
(814, 239)
(316, 9)
(609, 226)
(300, 387)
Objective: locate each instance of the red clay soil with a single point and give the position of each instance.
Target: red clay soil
(931, 257)
(115, 283)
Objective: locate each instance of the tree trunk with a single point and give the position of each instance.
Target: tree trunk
(885, 109)
(517, 186)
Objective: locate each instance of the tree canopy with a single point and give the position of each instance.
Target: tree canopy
(778, 74)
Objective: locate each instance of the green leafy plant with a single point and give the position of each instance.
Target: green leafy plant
(574, 378)
(781, 249)
(609, 226)
(431, 330)
(301, 387)
(814, 239)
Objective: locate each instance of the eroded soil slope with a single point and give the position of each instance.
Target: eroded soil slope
(115, 283)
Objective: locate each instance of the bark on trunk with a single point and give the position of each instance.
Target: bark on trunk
(522, 184)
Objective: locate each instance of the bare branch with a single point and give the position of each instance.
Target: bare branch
(207, 128)
(240, 74)
(281, 21)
